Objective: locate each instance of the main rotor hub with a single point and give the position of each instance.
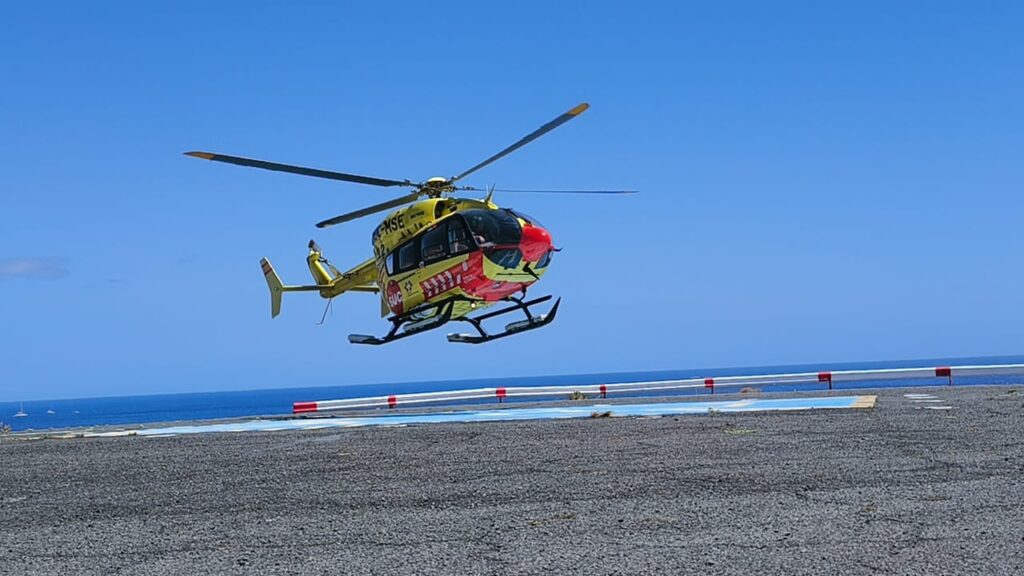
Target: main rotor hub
(436, 186)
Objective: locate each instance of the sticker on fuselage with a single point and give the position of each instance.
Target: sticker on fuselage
(444, 281)
(394, 295)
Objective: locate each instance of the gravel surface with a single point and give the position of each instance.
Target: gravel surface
(907, 487)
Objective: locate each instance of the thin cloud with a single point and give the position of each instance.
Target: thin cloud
(32, 268)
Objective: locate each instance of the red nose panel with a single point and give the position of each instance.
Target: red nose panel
(535, 244)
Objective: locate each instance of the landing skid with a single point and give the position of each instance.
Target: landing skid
(530, 323)
(412, 322)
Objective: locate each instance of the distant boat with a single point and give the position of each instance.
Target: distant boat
(21, 411)
(51, 411)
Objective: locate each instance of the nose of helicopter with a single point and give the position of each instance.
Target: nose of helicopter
(535, 243)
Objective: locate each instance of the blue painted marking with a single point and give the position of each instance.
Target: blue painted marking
(510, 414)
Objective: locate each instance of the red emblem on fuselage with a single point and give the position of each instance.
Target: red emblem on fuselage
(394, 296)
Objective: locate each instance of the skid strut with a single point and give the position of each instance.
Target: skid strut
(413, 323)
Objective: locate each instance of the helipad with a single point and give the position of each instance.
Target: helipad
(507, 414)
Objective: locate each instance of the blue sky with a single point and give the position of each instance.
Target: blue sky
(820, 182)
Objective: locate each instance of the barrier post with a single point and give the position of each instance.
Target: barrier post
(710, 384)
(825, 377)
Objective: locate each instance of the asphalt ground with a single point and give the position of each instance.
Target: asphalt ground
(914, 485)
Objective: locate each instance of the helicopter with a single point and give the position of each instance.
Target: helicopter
(437, 258)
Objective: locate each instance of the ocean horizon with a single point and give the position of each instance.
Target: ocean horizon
(187, 406)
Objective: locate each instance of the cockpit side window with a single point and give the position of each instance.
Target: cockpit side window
(459, 241)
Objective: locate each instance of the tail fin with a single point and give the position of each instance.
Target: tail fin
(277, 288)
(275, 285)
(323, 271)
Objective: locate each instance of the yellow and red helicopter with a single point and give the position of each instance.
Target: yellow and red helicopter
(439, 259)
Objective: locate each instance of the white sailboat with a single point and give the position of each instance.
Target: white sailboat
(21, 411)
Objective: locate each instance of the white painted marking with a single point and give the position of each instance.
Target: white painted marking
(109, 434)
(927, 399)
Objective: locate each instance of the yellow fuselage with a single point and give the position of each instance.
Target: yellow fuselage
(441, 248)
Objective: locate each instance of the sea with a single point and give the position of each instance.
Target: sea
(129, 410)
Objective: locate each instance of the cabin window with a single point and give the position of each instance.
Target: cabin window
(409, 255)
(434, 244)
(451, 237)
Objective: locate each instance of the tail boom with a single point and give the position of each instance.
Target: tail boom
(330, 282)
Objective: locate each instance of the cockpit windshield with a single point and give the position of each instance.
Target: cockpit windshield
(495, 227)
(533, 221)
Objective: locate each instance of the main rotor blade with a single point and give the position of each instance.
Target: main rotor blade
(371, 210)
(473, 189)
(316, 173)
(528, 138)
